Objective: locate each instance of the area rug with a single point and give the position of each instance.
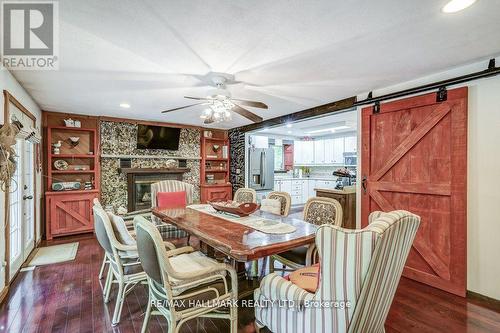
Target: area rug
(54, 254)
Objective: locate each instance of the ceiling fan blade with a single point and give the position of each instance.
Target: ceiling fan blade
(182, 107)
(197, 98)
(254, 104)
(247, 114)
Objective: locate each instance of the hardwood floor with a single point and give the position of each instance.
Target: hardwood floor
(67, 297)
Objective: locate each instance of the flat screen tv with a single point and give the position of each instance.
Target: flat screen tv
(158, 137)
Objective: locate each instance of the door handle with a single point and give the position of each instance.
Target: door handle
(363, 184)
(27, 197)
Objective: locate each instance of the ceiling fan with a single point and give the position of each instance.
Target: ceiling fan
(221, 104)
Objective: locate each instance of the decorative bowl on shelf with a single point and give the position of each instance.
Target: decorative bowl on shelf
(74, 140)
(235, 208)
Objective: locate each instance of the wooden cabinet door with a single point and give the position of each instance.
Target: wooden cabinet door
(69, 214)
(216, 193)
(414, 157)
(319, 151)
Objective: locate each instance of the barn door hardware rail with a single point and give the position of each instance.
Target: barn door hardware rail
(440, 86)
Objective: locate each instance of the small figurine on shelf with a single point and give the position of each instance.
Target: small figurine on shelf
(56, 147)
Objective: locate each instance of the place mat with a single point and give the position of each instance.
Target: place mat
(258, 223)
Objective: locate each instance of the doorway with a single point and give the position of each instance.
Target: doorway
(21, 207)
(20, 197)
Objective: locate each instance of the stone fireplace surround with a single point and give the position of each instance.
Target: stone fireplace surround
(118, 140)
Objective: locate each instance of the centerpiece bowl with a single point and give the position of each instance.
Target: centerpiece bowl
(236, 208)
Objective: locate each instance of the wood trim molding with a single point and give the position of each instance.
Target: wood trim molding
(487, 301)
(317, 111)
(8, 97)
(4, 293)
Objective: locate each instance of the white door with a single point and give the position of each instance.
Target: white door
(351, 144)
(319, 151)
(21, 208)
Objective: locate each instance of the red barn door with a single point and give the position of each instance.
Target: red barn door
(415, 158)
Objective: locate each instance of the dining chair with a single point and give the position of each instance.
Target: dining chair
(284, 199)
(178, 277)
(317, 210)
(169, 230)
(124, 266)
(243, 195)
(361, 267)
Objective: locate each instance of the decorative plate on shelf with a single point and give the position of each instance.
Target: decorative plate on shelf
(61, 165)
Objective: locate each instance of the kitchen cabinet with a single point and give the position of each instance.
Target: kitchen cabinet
(305, 190)
(286, 186)
(283, 185)
(327, 184)
(329, 156)
(319, 151)
(338, 150)
(347, 199)
(310, 188)
(351, 144)
(303, 152)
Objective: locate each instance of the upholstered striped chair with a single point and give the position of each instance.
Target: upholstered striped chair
(168, 230)
(362, 267)
(317, 210)
(243, 195)
(184, 283)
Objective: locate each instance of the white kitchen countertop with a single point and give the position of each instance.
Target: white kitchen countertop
(333, 178)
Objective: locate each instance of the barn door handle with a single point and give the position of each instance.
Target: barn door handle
(363, 184)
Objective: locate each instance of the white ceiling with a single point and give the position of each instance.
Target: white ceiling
(290, 54)
(304, 128)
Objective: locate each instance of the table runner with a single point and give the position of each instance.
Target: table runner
(254, 222)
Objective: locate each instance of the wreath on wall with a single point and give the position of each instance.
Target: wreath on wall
(8, 164)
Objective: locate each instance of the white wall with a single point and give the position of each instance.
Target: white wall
(483, 206)
(9, 83)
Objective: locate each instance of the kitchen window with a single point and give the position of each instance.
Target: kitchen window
(278, 158)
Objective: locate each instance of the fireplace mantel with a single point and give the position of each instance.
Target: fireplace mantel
(127, 171)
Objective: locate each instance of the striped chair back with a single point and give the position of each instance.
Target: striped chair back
(364, 268)
(172, 186)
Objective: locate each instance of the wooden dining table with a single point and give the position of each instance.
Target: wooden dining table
(237, 241)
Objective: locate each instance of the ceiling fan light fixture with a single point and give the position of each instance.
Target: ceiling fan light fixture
(455, 6)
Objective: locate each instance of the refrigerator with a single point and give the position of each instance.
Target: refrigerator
(261, 170)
